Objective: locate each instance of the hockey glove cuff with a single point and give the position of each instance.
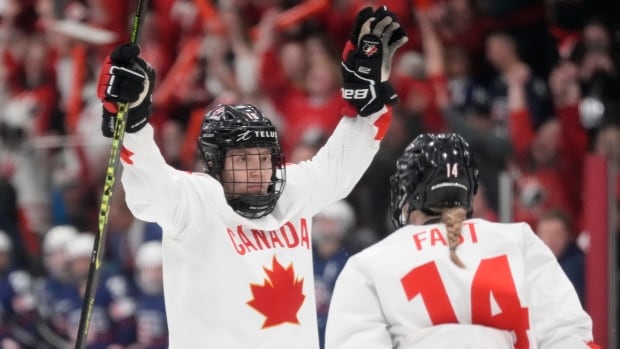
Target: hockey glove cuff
(125, 78)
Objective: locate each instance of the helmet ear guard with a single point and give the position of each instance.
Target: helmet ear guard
(435, 171)
(228, 127)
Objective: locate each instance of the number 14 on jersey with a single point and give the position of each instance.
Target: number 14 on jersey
(493, 278)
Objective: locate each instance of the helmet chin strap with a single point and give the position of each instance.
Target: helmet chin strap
(251, 206)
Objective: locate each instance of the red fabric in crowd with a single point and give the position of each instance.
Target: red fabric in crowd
(573, 149)
(521, 134)
(408, 89)
(272, 80)
(554, 195)
(300, 115)
(562, 183)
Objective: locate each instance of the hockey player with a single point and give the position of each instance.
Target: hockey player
(151, 328)
(444, 281)
(236, 246)
(112, 313)
(329, 231)
(18, 314)
(55, 289)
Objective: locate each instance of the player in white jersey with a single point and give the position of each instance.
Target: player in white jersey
(237, 257)
(504, 289)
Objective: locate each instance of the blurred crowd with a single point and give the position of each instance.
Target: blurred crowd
(533, 85)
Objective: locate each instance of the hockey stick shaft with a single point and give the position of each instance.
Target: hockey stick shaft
(104, 208)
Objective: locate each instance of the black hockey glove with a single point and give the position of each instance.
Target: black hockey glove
(127, 78)
(367, 60)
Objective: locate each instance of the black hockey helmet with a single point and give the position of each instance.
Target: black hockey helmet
(227, 127)
(435, 171)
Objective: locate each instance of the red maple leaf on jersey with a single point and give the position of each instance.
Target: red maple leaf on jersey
(280, 296)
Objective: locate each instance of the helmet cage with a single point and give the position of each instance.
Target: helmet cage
(434, 172)
(235, 127)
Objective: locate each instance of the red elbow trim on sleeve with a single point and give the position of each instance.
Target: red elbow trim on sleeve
(592, 345)
(383, 123)
(348, 48)
(126, 155)
(349, 110)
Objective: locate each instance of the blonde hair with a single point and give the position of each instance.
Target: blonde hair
(453, 218)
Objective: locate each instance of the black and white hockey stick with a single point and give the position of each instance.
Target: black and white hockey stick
(104, 208)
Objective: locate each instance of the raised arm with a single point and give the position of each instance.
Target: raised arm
(493, 146)
(366, 66)
(153, 188)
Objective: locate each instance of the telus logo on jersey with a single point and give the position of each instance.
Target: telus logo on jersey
(288, 236)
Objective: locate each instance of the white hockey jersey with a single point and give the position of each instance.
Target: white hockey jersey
(232, 282)
(404, 292)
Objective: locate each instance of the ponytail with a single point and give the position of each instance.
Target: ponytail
(453, 218)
